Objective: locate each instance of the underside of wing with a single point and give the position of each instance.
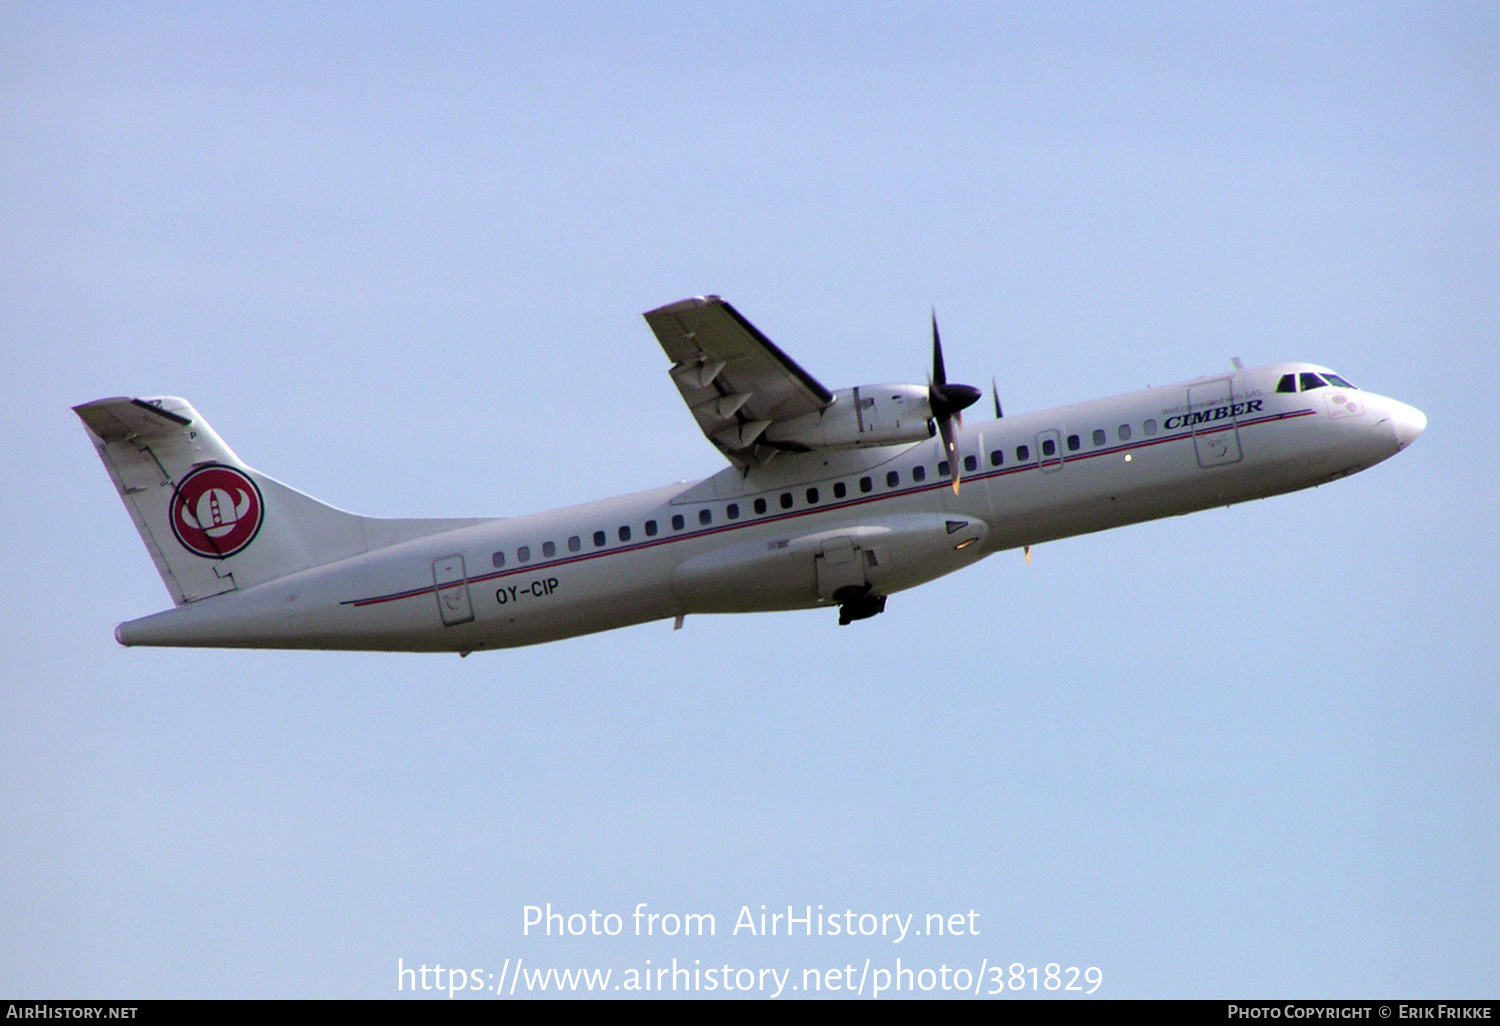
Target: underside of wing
(734, 379)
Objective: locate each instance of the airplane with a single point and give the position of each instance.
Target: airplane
(831, 499)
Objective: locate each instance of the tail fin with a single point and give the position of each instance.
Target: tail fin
(211, 523)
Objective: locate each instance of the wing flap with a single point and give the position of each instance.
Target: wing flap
(735, 381)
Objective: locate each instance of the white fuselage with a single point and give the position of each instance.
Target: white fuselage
(790, 534)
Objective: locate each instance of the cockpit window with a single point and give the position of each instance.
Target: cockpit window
(1311, 381)
(1334, 379)
(1288, 383)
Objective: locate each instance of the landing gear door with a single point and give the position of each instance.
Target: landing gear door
(1216, 437)
(452, 586)
(840, 565)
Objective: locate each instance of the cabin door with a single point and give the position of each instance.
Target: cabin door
(1216, 437)
(452, 586)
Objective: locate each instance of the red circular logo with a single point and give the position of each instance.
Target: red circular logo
(216, 511)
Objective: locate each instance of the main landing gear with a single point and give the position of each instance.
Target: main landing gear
(856, 603)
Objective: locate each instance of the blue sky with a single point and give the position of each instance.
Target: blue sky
(396, 254)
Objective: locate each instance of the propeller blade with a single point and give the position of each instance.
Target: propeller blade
(950, 448)
(939, 372)
(996, 393)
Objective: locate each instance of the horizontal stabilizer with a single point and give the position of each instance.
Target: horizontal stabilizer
(121, 418)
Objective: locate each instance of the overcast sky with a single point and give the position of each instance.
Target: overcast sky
(397, 255)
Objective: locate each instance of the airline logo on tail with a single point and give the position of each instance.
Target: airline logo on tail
(216, 511)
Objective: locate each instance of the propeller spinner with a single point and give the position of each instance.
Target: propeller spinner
(947, 403)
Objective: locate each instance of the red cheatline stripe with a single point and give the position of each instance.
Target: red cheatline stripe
(978, 475)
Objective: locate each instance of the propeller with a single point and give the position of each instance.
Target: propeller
(947, 403)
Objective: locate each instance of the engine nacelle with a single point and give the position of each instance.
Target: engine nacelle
(861, 417)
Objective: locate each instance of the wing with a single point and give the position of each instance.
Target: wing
(733, 378)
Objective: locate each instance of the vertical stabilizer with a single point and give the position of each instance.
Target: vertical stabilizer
(211, 523)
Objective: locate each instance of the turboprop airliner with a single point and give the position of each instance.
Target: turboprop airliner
(837, 499)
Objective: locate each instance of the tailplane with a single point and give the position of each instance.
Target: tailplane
(211, 523)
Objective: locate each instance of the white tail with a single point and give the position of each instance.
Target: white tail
(211, 523)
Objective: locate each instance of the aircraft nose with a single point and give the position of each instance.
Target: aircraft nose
(1408, 422)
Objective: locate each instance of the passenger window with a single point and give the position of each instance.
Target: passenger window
(523, 554)
(971, 462)
(705, 516)
(865, 484)
(575, 543)
(920, 473)
(812, 496)
(760, 505)
(1074, 443)
(1099, 436)
(1023, 453)
(1150, 427)
(996, 458)
(625, 533)
(549, 549)
(1049, 447)
(599, 539)
(839, 491)
(677, 522)
(1288, 383)
(1312, 381)
(893, 478)
(1124, 432)
(786, 500)
(733, 511)
(498, 559)
(944, 470)
(651, 529)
